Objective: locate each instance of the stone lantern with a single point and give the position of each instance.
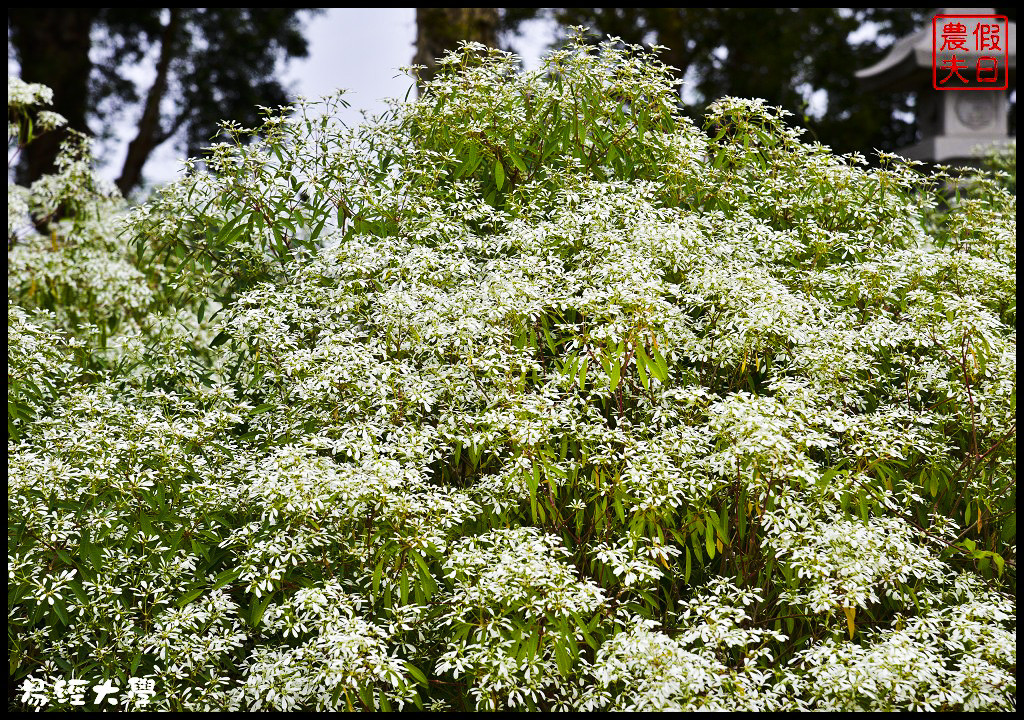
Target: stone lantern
(954, 124)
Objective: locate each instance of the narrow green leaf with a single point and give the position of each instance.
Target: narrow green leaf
(709, 538)
(614, 371)
(499, 174)
(259, 608)
(190, 596)
(226, 577)
(80, 594)
(426, 578)
(378, 571)
(641, 368)
(660, 366)
(58, 608)
(550, 342)
(562, 659)
(200, 549)
(416, 674)
(518, 162)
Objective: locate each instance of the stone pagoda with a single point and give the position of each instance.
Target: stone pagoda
(954, 124)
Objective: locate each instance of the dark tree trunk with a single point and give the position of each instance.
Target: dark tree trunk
(439, 30)
(52, 45)
(150, 133)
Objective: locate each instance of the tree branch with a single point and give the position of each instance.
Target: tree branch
(149, 135)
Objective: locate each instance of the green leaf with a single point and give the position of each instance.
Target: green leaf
(562, 659)
(470, 163)
(709, 538)
(417, 674)
(426, 578)
(318, 229)
(403, 588)
(378, 571)
(226, 577)
(619, 510)
(499, 174)
(199, 549)
(1009, 527)
(999, 563)
(190, 596)
(660, 366)
(719, 160)
(641, 367)
(259, 608)
(80, 594)
(550, 342)
(61, 612)
(518, 162)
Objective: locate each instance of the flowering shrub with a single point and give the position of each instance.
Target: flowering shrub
(528, 395)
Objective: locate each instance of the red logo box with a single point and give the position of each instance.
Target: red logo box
(970, 52)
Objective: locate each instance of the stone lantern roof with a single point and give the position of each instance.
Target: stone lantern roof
(953, 123)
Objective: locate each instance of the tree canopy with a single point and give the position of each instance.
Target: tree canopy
(211, 64)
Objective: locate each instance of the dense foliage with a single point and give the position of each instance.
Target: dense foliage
(802, 59)
(528, 395)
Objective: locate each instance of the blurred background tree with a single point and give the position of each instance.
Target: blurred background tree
(211, 64)
(439, 30)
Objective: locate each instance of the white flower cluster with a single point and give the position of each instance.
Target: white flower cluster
(338, 655)
(953, 654)
(843, 563)
(23, 94)
(642, 669)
